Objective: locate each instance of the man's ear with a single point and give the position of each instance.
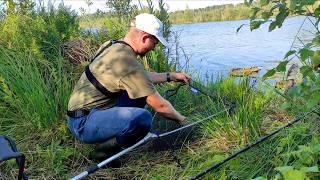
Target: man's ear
(144, 38)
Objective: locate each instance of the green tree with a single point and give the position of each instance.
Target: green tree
(121, 8)
(19, 6)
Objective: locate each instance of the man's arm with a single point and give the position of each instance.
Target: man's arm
(164, 107)
(163, 77)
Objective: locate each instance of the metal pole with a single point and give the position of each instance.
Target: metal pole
(217, 165)
(105, 162)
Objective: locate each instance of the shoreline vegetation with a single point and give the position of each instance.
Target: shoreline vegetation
(43, 52)
(227, 12)
(213, 13)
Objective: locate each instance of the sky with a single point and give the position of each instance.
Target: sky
(172, 5)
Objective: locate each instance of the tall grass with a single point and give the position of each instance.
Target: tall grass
(35, 79)
(35, 84)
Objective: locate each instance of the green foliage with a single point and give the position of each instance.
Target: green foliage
(282, 66)
(290, 148)
(244, 124)
(121, 8)
(281, 10)
(34, 79)
(289, 53)
(304, 163)
(307, 93)
(43, 31)
(214, 13)
(35, 85)
(269, 73)
(41, 85)
(56, 27)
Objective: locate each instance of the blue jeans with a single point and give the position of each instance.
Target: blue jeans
(128, 122)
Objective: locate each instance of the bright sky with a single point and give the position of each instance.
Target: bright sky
(172, 5)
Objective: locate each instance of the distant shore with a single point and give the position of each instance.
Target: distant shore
(213, 13)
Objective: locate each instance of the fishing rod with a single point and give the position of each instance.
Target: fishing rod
(150, 136)
(260, 140)
(195, 88)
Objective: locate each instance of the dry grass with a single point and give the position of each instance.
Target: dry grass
(77, 51)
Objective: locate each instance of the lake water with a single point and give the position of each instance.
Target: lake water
(213, 48)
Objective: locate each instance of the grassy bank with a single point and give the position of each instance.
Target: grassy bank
(42, 54)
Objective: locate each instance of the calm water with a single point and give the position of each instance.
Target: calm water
(213, 48)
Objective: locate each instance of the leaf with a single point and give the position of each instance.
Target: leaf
(272, 26)
(312, 169)
(284, 169)
(238, 29)
(282, 66)
(305, 53)
(289, 53)
(294, 175)
(307, 71)
(255, 24)
(281, 16)
(316, 60)
(270, 73)
(264, 2)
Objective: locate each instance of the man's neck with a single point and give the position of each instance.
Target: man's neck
(129, 40)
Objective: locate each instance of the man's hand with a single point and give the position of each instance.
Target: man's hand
(180, 77)
(183, 122)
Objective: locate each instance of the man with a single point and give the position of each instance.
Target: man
(107, 104)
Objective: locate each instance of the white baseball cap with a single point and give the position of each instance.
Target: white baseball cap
(151, 25)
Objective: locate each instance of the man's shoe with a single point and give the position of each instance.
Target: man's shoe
(105, 150)
(109, 145)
